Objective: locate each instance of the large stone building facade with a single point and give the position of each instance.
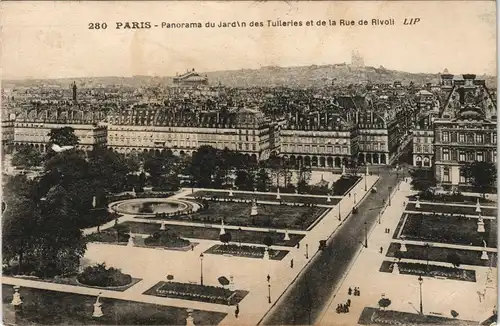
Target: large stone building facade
(246, 131)
(465, 131)
(32, 127)
(327, 139)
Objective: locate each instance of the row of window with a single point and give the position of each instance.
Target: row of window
(373, 147)
(466, 156)
(469, 137)
(292, 148)
(423, 149)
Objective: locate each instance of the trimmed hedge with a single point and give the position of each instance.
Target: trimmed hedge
(99, 275)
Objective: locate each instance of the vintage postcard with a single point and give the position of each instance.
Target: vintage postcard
(249, 163)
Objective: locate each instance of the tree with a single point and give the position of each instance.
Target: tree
(225, 238)
(384, 303)
(304, 176)
(244, 180)
(268, 241)
(482, 174)
(263, 181)
(27, 156)
(64, 136)
(423, 180)
(398, 255)
(454, 259)
(203, 166)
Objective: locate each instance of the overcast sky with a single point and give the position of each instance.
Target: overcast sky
(50, 40)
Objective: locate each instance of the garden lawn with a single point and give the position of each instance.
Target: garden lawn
(467, 257)
(209, 233)
(269, 216)
(246, 251)
(197, 292)
(448, 209)
(431, 270)
(375, 316)
(42, 307)
(288, 198)
(449, 229)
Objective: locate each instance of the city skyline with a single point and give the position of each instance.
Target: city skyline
(69, 50)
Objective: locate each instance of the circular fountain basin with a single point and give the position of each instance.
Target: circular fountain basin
(149, 206)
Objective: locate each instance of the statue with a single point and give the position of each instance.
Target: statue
(484, 254)
(130, 239)
(97, 307)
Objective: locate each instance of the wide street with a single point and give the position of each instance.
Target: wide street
(305, 300)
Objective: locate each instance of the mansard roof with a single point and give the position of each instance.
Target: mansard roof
(469, 102)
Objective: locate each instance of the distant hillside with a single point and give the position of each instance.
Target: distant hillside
(305, 76)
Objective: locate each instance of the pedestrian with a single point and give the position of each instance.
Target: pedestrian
(388, 230)
(346, 309)
(237, 311)
(349, 195)
(348, 302)
(349, 292)
(291, 263)
(338, 309)
(192, 247)
(359, 292)
(381, 249)
(298, 245)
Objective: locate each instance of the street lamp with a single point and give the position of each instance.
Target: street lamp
(390, 192)
(354, 198)
(366, 187)
(239, 236)
(340, 217)
(307, 251)
(201, 268)
(420, 281)
(268, 288)
(366, 236)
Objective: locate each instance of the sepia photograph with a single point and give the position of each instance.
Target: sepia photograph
(249, 163)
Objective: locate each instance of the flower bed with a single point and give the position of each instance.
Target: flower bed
(108, 236)
(449, 229)
(375, 316)
(197, 292)
(100, 276)
(246, 251)
(209, 233)
(451, 209)
(167, 239)
(431, 270)
(287, 198)
(342, 185)
(467, 257)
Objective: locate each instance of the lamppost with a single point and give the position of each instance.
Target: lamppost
(340, 217)
(354, 198)
(390, 192)
(366, 187)
(201, 268)
(420, 281)
(307, 251)
(366, 236)
(239, 236)
(268, 288)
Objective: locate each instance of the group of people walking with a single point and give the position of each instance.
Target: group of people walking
(344, 308)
